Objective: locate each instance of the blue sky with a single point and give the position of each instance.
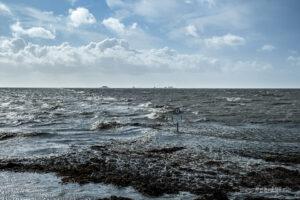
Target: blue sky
(146, 43)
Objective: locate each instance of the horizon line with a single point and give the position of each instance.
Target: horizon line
(170, 88)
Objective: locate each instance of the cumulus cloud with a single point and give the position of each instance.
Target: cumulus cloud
(294, 60)
(267, 48)
(81, 16)
(4, 9)
(34, 32)
(114, 25)
(191, 30)
(226, 40)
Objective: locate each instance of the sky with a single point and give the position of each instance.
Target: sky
(150, 43)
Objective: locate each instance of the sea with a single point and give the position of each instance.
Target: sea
(256, 129)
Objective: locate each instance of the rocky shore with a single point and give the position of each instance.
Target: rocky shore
(155, 171)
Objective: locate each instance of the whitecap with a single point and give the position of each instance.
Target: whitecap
(147, 104)
(195, 112)
(109, 99)
(233, 99)
(152, 115)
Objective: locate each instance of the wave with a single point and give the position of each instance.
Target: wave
(107, 125)
(11, 135)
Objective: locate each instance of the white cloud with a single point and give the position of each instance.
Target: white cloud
(294, 60)
(111, 56)
(226, 40)
(191, 30)
(59, 24)
(81, 16)
(34, 32)
(114, 24)
(267, 48)
(132, 33)
(4, 9)
(115, 3)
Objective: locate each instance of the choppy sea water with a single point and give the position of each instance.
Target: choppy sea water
(251, 127)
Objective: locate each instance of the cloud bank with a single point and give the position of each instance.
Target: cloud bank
(111, 56)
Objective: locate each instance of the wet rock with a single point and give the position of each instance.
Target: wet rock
(10, 165)
(6, 136)
(167, 170)
(121, 169)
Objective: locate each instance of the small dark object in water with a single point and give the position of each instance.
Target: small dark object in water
(166, 150)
